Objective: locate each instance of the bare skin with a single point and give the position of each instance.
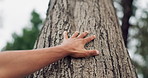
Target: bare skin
(18, 64)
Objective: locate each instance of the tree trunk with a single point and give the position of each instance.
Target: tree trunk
(99, 18)
(127, 11)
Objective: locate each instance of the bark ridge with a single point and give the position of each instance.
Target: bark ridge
(99, 18)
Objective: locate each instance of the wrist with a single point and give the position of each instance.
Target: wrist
(64, 50)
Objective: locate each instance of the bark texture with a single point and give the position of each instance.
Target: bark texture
(99, 18)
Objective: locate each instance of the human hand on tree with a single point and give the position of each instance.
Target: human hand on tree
(75, 45)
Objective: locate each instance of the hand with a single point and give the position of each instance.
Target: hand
(75, 45)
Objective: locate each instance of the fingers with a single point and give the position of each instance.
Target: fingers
(92, 52)
(83, 35)
(75, 34)
(65, 35)
(88, 39)
(86, 53)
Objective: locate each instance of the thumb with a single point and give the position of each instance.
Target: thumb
(93, 52)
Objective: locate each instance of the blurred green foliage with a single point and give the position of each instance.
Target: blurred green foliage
(141, 35)
(28, 37)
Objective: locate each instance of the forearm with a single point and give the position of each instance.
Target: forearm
(17, 64)
(21, 63)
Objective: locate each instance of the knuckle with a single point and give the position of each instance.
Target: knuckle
(86, 54)
(84, 33)
(84, 41)
(91, 38)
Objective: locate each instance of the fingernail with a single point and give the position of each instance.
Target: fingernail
(97, 51)
(94, 36)
(65, 31)
(77, 31)
(87, 31)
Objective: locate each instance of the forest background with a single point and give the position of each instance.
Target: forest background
(132, 15)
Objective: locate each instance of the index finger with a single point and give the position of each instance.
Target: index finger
(65, 35)
(88, 39)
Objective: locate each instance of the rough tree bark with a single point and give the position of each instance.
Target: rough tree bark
(99, 18)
